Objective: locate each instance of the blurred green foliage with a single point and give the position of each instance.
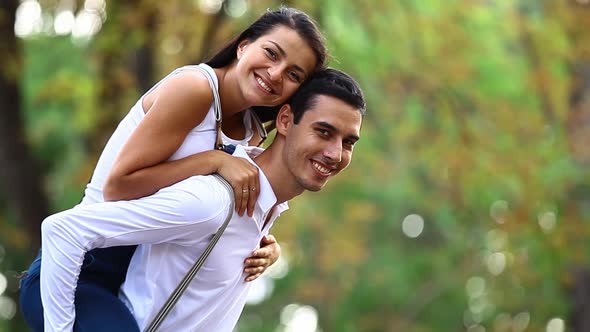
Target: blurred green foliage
(470, 128)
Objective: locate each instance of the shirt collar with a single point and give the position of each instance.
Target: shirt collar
(266, 196)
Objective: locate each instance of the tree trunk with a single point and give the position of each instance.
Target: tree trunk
(580, 314)
(210, 35)
(20, 176)
(125, 63)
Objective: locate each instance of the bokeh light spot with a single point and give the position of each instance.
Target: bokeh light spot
(521, 321)
(172, 45)
(210, 6)
(547, 221)
(7, 308)
(3, 283)
(28, 18)
(236, 8)
(478, 304)
(499, 211)
(87, 24)
(64, 22)
(298, 318)
(555, 325)
(475, 286)
(496, 263)
(413, 225)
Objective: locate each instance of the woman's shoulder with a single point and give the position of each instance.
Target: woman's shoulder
(185, 87)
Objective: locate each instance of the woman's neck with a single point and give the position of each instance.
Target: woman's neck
(233, 126)
(232, 101)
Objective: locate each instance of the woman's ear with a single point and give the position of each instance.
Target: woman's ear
(241, 48)
(284, 119)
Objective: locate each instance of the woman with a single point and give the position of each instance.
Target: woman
(168, 136)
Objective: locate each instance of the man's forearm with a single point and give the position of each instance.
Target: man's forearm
(68, 235)
(62, 256)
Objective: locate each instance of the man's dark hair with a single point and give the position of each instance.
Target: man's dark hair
(326, 82)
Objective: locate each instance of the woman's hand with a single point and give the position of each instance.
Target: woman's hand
(262, 258)
(243, 177)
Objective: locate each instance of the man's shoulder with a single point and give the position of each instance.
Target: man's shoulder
(205, 188)
(196, 198)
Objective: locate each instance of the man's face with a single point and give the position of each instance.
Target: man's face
(321, 144)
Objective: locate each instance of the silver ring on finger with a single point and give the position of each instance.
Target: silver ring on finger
(244, 191)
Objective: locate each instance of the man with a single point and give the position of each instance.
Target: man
(316, 133)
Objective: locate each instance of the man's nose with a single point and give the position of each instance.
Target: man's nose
(333, 152)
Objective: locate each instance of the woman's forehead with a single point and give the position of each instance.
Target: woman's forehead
(292, 45)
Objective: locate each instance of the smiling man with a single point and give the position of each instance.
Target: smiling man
(316, 133)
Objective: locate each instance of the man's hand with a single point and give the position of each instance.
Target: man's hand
(262, 258)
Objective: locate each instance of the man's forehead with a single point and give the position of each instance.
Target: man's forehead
(333, 110)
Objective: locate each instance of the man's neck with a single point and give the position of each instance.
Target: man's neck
(270, 162)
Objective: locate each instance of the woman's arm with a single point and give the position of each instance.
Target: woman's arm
(173, 109)
(262, 258)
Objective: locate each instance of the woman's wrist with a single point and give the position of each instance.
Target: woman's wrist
(215, 159)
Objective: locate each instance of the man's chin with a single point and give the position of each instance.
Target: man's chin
(315, 187)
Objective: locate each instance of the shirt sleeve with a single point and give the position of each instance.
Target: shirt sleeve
(168, 216)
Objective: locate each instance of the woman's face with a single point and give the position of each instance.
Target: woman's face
(270, 68)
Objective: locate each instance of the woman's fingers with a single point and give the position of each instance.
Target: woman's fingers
(253, 277)
(257, 262)
(262, 257)
(243, 178)
(254, 191)
(255, 267)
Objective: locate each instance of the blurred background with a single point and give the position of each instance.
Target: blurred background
(466, 208)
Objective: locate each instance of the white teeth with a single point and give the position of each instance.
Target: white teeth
(321, 168)
(263, 85)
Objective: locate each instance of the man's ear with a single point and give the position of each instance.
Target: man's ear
(241, 48)
(284, 119)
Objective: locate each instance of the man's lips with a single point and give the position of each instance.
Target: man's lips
(321, 168)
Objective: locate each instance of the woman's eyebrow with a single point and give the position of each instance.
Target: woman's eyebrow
(284, 54)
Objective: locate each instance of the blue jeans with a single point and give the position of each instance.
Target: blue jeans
(97, 306)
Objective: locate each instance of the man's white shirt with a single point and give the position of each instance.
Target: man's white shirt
(172, 227)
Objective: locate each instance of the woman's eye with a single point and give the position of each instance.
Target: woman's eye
(271, 53)
(294, 76)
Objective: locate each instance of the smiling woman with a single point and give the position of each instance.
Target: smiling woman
(274, 65)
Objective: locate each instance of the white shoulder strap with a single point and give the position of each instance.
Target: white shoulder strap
(195, 268)
(216, 105)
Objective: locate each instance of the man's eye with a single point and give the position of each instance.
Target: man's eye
(349, 143)
(323, 132)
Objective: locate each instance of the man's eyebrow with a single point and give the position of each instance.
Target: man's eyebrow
(284, 54)
(328, 125)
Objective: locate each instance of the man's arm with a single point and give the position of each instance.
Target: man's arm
(167, 216)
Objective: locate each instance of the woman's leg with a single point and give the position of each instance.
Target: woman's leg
(99, 310)
(30, 296)
(97, 307)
